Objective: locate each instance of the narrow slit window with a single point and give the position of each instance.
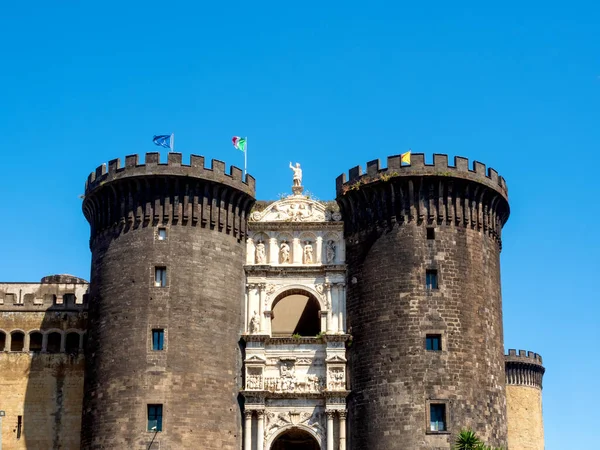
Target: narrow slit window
(430, 233)
(162, 234)
(433, 342)
(431, 279)
(437, 417)
(158, 339)
(160, 276)
(155, 414)
(19, 426)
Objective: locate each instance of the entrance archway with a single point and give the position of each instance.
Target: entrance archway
(295, 439)
(295, 312)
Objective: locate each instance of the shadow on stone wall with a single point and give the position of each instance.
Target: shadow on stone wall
(42, 365)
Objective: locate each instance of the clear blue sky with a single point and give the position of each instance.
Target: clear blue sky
(331, 85)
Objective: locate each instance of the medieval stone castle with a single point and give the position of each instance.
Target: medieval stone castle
(215, 322)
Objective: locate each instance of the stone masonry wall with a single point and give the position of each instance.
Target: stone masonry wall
(394, 379)
(197, 376)
(524, 412)
(45, 390)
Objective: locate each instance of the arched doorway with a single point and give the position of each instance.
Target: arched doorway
(295, 439)
(295, 312)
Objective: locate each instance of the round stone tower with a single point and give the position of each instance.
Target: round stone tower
(424, 302)
(166, 295)
(524, 373)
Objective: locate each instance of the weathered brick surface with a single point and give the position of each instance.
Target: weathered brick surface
(197, 376)
(390, 311)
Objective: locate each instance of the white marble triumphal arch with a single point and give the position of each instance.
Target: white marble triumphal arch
(295, 385)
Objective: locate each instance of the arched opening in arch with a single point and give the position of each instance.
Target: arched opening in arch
(17, 341)
(53, 345)
(35, 341)
(72, 343)
(295, 439)
(295, 312)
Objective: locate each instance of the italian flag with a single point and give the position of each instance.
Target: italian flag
(239, 143)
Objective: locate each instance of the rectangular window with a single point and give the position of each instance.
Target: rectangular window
(430, 233)
(437, 416)
(158, 339)
(431, 279)
(155, 414)
(160, 276)
(162, 234)
(433, 342)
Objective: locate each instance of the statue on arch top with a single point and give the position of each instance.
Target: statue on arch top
(297, 180)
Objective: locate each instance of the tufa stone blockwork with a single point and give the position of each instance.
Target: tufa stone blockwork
(196, 377)
(524, 373)
(391, 311)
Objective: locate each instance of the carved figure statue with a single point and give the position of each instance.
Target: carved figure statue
(284, 253)
(260, 253)
(297, 174)
(254, 323)
(330, 252)
(308, 253)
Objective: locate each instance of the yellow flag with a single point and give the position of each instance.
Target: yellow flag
(405, 157)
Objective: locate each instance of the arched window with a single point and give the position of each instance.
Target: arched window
(53, 345)
(72, 344)
(35, 341)
(17, 341)
(295, 312)
(2, 341)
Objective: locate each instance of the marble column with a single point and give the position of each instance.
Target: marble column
(329, 308)
(330, 415)
(296, 251)
(342, 430)
(260, 431)
(273, 251)
(248, 312)
(251, 248)
(319, 250)
(342, 307)
(247, 430)
(336, 307)
(261, 295)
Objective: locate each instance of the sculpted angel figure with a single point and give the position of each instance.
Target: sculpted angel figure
(297, 174)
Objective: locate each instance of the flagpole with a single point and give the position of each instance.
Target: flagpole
(246, 158)
(172, 142)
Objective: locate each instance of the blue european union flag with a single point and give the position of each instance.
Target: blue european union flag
(163, 140)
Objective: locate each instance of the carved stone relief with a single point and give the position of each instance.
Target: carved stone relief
(336, 379)
(314, 420)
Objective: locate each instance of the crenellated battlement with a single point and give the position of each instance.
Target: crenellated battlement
(523, 356)
(426, 194)
(523, 368)
(173, 166)
(174, 193)
(418, 167)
